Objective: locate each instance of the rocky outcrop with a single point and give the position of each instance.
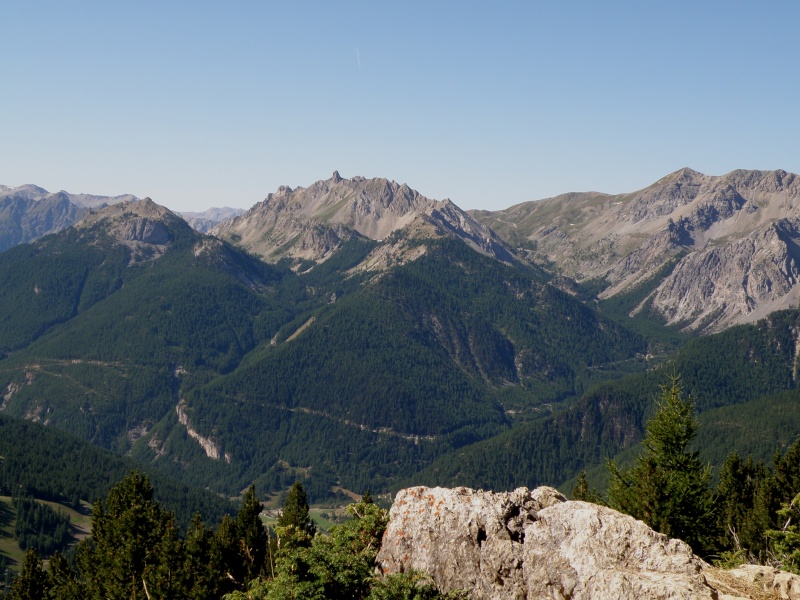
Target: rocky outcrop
(537, 545)
(755, 581)
(211, 448)
(143, 226)
(313, 223)
(24, 220)
(28, 212)
(743, 280)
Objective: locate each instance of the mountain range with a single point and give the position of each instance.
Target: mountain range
(28, 212)
(357, 334)
(731, 243)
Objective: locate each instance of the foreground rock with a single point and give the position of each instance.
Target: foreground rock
(535, 544)
(754, 581)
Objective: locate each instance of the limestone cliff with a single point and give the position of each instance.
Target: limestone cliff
(312, 223)
(537, 545)
(143, 226)
(735, 239)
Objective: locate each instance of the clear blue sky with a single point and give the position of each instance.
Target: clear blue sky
(200, 104)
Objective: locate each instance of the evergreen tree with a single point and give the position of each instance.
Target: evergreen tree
(200, 566)
(582, 491)
(31, 583)
(226, 556)
(295, 511)
(747, 507)
(135, 550)
(786, 540)
(63, 580)
(668, 487)
(252, 534)
(338, 566)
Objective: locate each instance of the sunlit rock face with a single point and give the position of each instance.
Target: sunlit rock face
(702, 252)
(530, 544)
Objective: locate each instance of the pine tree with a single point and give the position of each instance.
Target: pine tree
(668, 487)
(63, 580)
(136, 551)
(582, 491)
(786, 540)
(295, 511)
(252, 534)
(226, 557)
(748, 502)
(31, 583)
(199, 566)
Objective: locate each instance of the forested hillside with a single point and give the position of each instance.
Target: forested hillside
(745, 389)
(437, 354)
(223, 370)
(142, 336)
(54, 465)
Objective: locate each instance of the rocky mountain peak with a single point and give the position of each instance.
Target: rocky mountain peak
(685, 174)
(144, 208)
(765, 182)
(313, 222)
(144, 226)
(28, 212)
(26, 192)
(728, 268)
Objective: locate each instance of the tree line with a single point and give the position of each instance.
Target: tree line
(136, 550)
(751, 515)
(38, 526)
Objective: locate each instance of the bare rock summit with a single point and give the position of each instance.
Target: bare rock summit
(709, 252)
(145, 227)
(313, 223)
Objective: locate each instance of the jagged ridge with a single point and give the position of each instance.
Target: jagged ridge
(312, 223)
(739, 233)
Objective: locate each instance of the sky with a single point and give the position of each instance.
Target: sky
(200, 104)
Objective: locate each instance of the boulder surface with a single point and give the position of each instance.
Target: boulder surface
(532, 544)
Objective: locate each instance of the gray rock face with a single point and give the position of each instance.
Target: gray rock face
(534, 544)
(143, 226)
(206, 220)
(312, 223)
(746, 279)
(29, 212)
(24, 220)
(758, 581)
(735, 239)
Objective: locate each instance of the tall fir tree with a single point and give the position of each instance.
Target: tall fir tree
(295, 510)
(31, 583)
(668, 488)
(252, 534)
(135, 551)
